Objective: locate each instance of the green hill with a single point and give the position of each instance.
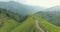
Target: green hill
(12, 22)
(51, 16)
(27, 26)
(12, 15)
(20, 8)
(48, 26)
(9, 25)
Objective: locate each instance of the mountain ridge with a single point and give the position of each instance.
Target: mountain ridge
(20, 8)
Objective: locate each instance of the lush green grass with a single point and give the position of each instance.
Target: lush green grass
(9, 25)
(47, 26)
(2, 15)
(27, 26)
(3, 19)
(51, 16)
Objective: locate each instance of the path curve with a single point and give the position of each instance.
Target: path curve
(37, 24)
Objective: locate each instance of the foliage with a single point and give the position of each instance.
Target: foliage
(51, 16)
(9, 25)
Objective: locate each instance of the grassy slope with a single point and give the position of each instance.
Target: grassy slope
(47, 26)
(27, 26)
(6, 24)
(3, 19)
(9, 25)
(50, 17)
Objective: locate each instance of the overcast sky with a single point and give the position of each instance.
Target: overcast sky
(44, 3)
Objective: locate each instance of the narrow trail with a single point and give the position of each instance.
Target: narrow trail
(37, 24)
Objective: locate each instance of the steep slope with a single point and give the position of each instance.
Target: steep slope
(51, 16)
(38, 26)
(3, 19)
(9, 25)
(12, 15)
(27, 26)
(48, 27)
(5, 16)
(20, 8)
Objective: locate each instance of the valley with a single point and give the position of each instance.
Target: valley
(17, 17)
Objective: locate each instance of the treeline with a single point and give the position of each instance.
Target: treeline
(13, 15)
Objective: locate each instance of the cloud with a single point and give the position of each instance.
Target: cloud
(45, 3)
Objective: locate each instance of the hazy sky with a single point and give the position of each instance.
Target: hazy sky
(44, 3)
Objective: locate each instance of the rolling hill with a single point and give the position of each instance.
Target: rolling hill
(29, 25)
(20, 8)
(38, 22)
(52, 17)
(47, 26)
(51, 14)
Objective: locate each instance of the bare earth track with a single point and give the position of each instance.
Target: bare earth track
(37, 24)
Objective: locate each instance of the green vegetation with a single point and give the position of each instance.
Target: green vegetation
(13, 22)
(48, 26)
(27, 26)
(12, 15)
(3, 18)
(9, 25)
(51, 16)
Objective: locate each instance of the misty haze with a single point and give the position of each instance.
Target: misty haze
(29, 15)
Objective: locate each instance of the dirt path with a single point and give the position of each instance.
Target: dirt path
(37, 24)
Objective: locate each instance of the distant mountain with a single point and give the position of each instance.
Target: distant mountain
(55, 8)
(12, 21)
(51, 14)
(20, 8)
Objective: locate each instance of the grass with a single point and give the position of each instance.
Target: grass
(9, 25)
(29, 25)
(3, 19)
(47, 26)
